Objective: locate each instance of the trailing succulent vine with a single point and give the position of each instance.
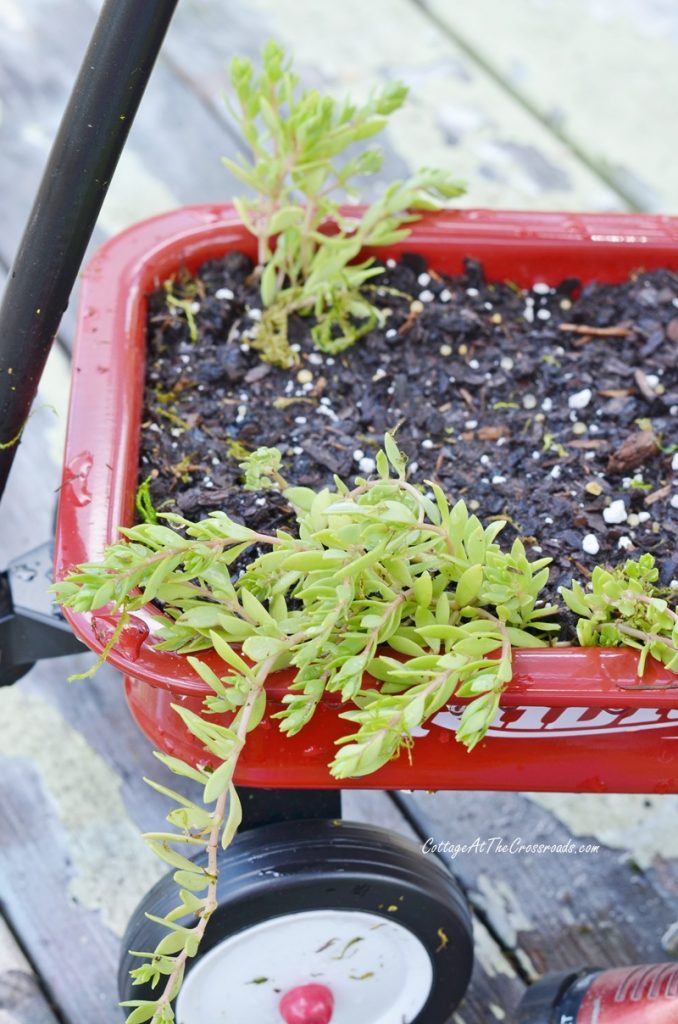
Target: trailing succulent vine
(623, 607)
(384, 594)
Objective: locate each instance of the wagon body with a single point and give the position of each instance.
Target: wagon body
(571, 719)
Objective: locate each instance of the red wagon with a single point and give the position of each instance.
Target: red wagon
(571, 720)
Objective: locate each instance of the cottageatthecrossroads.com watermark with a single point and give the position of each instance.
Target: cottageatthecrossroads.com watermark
(500, 845)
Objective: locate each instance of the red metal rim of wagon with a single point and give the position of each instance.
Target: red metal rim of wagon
(565, 722)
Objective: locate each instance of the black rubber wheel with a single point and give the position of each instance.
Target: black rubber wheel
(296, 867)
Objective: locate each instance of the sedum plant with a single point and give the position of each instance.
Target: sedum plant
(302, 163)
(384, 594)
(624, 607)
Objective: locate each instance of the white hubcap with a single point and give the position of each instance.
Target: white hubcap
(377, 971)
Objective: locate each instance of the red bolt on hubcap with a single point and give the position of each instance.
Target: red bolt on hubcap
(307, 1004)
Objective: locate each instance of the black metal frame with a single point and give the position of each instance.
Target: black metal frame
(93, 131)
(105, 98)
(31, 624)
(271, 806)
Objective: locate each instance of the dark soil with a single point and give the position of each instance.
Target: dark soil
(501, 396)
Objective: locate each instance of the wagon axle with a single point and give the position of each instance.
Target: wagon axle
(307, 1004)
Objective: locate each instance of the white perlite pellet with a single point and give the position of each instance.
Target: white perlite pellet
(580, 399)
(625, 543)
(590, 544)
(674, 462)
(615, 513)
(674, 501)
(224, 293)
(367, 465)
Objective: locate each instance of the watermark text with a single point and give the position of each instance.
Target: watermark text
(502, 845)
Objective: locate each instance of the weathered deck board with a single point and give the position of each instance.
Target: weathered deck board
(601, 75)
(555, 910)
(456, 116)
(21, 998)
(28, 509)
(72, 864)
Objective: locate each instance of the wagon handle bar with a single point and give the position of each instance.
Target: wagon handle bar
(105, 98)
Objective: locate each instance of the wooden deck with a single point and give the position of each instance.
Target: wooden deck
(538, 104)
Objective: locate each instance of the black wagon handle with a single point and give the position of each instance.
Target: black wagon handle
(104, 101)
